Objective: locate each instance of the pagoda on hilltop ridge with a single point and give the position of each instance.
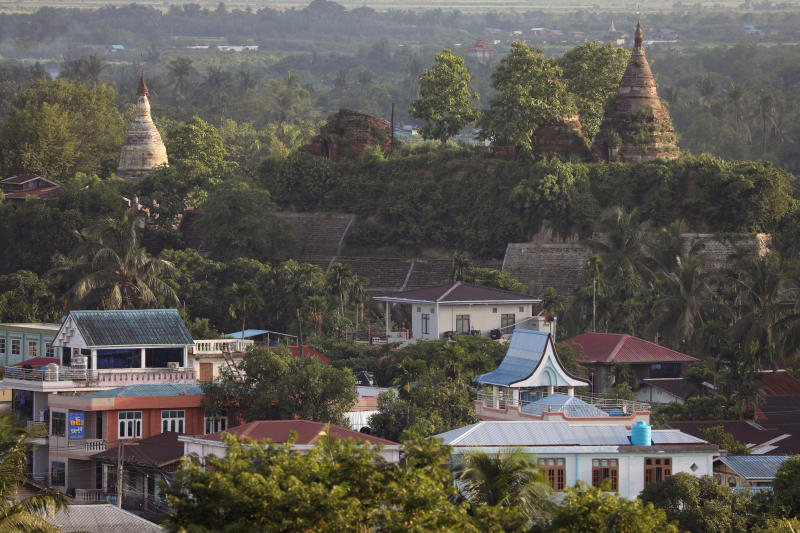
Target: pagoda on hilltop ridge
(143, 149)
(637, 126)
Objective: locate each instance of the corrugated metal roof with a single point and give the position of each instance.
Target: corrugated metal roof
(140, 327)
(536, 433)
(149, 390)
(524, 353)
(101, 518)
(562, 403)
(778, 383)
(607, 347)
(755, 466)
(459, 292)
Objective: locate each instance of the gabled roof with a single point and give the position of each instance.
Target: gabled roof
(457, 293)
(21, 179)
(154, 452)
(140, 327)
(101, 518)
(149, 391)
(678, 387)
(307, 432)
(778, 383)
(526, 353)
(536, 433)
(754, 466)
(608, 347)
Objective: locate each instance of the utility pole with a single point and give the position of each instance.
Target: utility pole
(391, 126)
(594, 304)
(120, 468)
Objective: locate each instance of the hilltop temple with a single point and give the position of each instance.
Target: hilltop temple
(637, 126)
(143, 149)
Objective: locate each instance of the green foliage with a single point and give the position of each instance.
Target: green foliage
(592, 72)
(445, 99)
(26, 298)
(497, 279)
(337, 486)
(786, 488)
(56, 129)
(278, 386)
(590, 510)
(700, 504)
(529, 94)
(726, 441)
(699, 408)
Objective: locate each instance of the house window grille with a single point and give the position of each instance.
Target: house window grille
(507, 321)
(16, 347)
(58, 473)
(173, 421)
(48, 349)
(603, 469)
(554, 472)
(213, 424)
(130, 424)
(656, 469)
(58, 424)
(462, 324)
(33, 348)
(426, 318)
(2, 346)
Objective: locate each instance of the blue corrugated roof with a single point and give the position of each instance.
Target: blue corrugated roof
(149, 390)
(754, 466)
(524, 353)
(571, 406)
(140, 327)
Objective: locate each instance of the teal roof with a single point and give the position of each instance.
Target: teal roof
(524, 354)
(149, 391)
(140, 327)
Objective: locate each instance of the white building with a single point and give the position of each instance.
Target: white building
(460, 308)
(570, 452)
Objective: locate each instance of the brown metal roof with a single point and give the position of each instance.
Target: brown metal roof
(155, 451)
(458, 292)
(678, 387)
(307, 432)
(607, 347)
(778, 383)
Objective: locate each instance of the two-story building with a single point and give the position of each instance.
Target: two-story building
(23, 341)
(94, 351)
(460, 308)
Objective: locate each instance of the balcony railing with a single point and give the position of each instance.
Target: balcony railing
(612, 406)
(90, 496)
(113, 377)
(88, 446)
(218, 346)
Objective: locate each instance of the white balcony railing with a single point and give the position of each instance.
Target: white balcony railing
(217, 346)
(613, 406)
(89, 496)
(115, 377)
(88, 446)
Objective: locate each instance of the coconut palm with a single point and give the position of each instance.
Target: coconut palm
(216, 82)
(181, 70)
(505, 479)
(340, 279)
(113, 271)
(29, 514)
(358, 293)
(737, 97)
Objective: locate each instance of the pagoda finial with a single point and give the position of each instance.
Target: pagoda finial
(142, 87)
(639, 39)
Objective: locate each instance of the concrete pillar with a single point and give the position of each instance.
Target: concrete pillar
(495, 396)
(388, 319)
(550, 390)
(94, 359)
(142, 356)
(185, 357)
(515, 396)
(571, 391)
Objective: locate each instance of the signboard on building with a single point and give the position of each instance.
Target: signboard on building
(75, 426)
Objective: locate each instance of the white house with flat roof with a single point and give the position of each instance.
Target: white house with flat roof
(460, 308)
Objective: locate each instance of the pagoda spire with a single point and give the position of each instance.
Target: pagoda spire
(142, 87)
(637, 127)
(143, 149)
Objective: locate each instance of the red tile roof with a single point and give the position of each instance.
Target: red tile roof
(460, 292)
(308, 351)
(607, 347)
(19, 179)
(779, 383)
(38, 362)
(307, 432)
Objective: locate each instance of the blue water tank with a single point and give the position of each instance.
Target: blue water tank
(641, 434)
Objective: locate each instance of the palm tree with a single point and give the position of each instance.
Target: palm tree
(504, 479)
(93, 67)
(552, 303)
(340, 279)
(216, 82)
(737, 96)
(181, 70)
(459, 266)
(113, 270)
(768, 116)
(29, 514)
(358, 293)
(244, 297)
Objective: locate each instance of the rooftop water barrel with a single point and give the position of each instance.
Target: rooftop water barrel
(641, 434)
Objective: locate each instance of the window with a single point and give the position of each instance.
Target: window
(656, 469)
(48, 348)
(2, 346)
(130, 424)
(216, 423)
(425, 321)
(16, 347)
(603, 469)
(172, 421)
(58, 473)
(521, 308)
(462, 324)
(665, 370)
(507, 321)
(58, 424)
(554, 472)
(33, 348)
(494, 309)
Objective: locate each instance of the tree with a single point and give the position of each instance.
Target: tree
(181, 70)
(26, 298)
(552, 303)
(337, 486)
(28, 515)
(445, 99)
(340, 279)
(717, 435)
(785, 486)
(298, 283)
(529, 94)
(591, 510)
(278, 386)
(592, 72)
(113, 270)
(507, 479)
